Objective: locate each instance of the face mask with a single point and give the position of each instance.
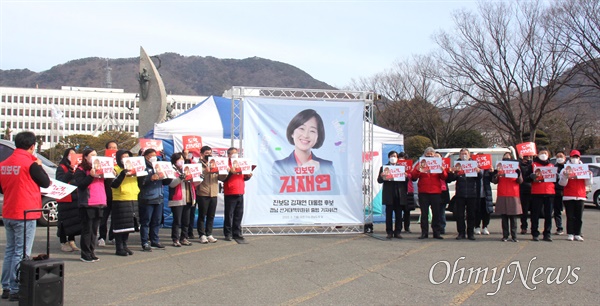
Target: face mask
(393, 160)
(574, 160)
(560, 160)
(179, 163)
(153, 159)
(464, 157)
(543, 157)
(234, 155)
(89, 160)
(206, 157)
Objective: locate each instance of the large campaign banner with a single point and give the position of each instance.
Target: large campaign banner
(308, 158)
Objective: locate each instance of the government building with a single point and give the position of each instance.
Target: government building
(54, 113)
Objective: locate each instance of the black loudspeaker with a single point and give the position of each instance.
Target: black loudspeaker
(41, 282)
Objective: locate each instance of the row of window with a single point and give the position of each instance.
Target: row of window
(66, 114)
(67, 101)
(68, 127)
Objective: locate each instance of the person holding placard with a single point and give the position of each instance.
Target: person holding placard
(91, 198)
(21, 191)
(234, 189)
(151, 203)
(430, 195)
(466, 197)
(557, 204)
(574, 193)
(206, 196)
(485, 205)
(125, 192)
(104, 229)
(542, 195)
(508, 203)
(525, 191)
(445, 199)
(182, 195)
(68, 225)
(394, 197)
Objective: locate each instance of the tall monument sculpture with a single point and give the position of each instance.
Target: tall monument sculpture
(153, 96)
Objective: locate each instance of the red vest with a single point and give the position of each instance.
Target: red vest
(20, 191)
(234, 184)
(575, 188)
(508, 187)
(542, 187)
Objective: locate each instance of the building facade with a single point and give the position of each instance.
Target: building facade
(52, 113)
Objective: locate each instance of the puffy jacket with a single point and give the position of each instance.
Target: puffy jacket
(540, 188)
(429, 183)
(124, 188)
(181, 192)
(90, 190)
(210, 185)
(466, 187)
(486, 179)
(151, 192)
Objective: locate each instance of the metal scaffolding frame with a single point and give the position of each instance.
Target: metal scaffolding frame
(239, 93)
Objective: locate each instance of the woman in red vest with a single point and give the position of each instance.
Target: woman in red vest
(542, 195)
(573, 197)
(508, 203)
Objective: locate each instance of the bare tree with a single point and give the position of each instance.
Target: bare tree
(576, 26)
(505, 62)
(415, 104)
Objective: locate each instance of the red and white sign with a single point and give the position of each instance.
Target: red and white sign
(545, 174)
(57, 189)
(527, 149)
(484, 161)
(466, 168)
(577, 171)
(394, 173)
(430, 164)
(192, 143)
(193, 172)
(407, 163)
(155, 144)
(103, 165)
(75, 159)
(111, 153)
(164, 170)
(218, 165)
(241, 165)
(136, 165)
(508, 169)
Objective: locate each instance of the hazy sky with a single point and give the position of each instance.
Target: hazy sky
(333, 41)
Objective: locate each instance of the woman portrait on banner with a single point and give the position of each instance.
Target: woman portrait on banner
(306, 131)
(69, 224)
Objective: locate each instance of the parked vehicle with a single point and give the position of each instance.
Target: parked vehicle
(593, 195)
(6, 149)
(590, 159)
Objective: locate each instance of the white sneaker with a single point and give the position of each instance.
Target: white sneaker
(578, 238)
(66, 247)
(485, 231)
(203, 239)
(477, 231)
(101, 242)
(211, 239)
(570, 237)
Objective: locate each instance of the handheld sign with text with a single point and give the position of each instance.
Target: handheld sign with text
(164, 169)
(241, 165)
(446, 163)
(545, 174)
(527, 149)
(57, 189)
(155, 144)
(484, 161)
(192, 143)
(111, 153)
(466, 167)
(193, 172)
(430, 164)
(577, 171)
(407, 163)
(75, 159)
(394, 173)
(136, 165)
(103, 165)
(218, 165)
(508, 169)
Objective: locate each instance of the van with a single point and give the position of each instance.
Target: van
(496, 154)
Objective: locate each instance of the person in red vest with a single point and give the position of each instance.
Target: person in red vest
(542, 196)
(21, 176)
(233, 188)
(508, 203)
(573, 196)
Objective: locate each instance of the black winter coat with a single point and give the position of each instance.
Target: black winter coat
(393, 190)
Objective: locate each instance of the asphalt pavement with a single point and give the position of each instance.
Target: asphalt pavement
(346, 269)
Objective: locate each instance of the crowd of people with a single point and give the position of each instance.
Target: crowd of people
(132, 203)
(525, 196)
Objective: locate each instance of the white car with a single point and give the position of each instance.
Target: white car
(594, 195)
